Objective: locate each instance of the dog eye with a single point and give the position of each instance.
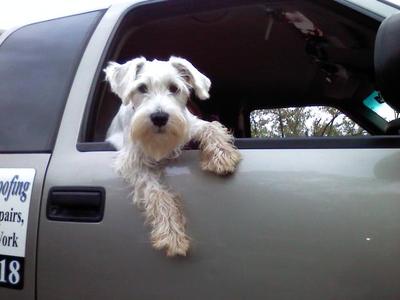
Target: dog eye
(173, 88)
(142, 88)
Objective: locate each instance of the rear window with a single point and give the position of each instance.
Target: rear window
(37, 65)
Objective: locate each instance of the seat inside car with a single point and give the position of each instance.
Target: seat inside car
(387, 66)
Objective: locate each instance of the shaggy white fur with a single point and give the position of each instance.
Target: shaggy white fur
(151, 127)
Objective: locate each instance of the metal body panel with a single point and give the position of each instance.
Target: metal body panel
(375, 9)
(304, 224)
(38, 162)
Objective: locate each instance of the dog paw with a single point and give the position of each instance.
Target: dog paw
(173, 244)
(221, 160)
(179, 247)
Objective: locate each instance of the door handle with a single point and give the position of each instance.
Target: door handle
(76, 204)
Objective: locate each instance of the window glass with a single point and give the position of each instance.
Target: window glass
(37, 65)
(302, 122)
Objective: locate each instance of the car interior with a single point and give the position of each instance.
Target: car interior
(258, 55)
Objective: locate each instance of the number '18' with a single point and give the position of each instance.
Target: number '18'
(13, 276)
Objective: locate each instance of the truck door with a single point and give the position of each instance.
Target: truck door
(298, 220)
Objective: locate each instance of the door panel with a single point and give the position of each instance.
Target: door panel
(38, 162)
(304, 224)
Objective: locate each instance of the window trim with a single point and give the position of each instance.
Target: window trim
(356, 142)
(359, 142)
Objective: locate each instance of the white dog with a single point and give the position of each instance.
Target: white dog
(151, 127)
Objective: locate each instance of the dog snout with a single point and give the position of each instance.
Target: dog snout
(159, 118)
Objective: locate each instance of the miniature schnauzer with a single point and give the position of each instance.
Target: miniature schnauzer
(151, 127)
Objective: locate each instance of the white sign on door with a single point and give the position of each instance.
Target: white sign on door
(15, 197)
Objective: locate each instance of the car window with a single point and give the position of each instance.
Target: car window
(317, 121)
(300, 56)
(37, 65)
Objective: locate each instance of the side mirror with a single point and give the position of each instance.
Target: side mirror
(387, 60)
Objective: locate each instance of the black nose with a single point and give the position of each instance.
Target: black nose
(159, 118)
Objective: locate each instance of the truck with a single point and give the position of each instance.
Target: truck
(307, 215)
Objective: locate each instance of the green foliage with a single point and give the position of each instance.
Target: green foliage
(302, 121)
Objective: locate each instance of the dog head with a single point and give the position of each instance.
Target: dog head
(158, 92)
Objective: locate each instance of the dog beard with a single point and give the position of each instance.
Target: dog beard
(159, 143)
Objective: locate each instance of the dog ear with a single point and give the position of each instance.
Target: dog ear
(120, 76)
(199, 82)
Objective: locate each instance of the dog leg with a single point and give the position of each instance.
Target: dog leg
(217, 152)
(163, 211)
